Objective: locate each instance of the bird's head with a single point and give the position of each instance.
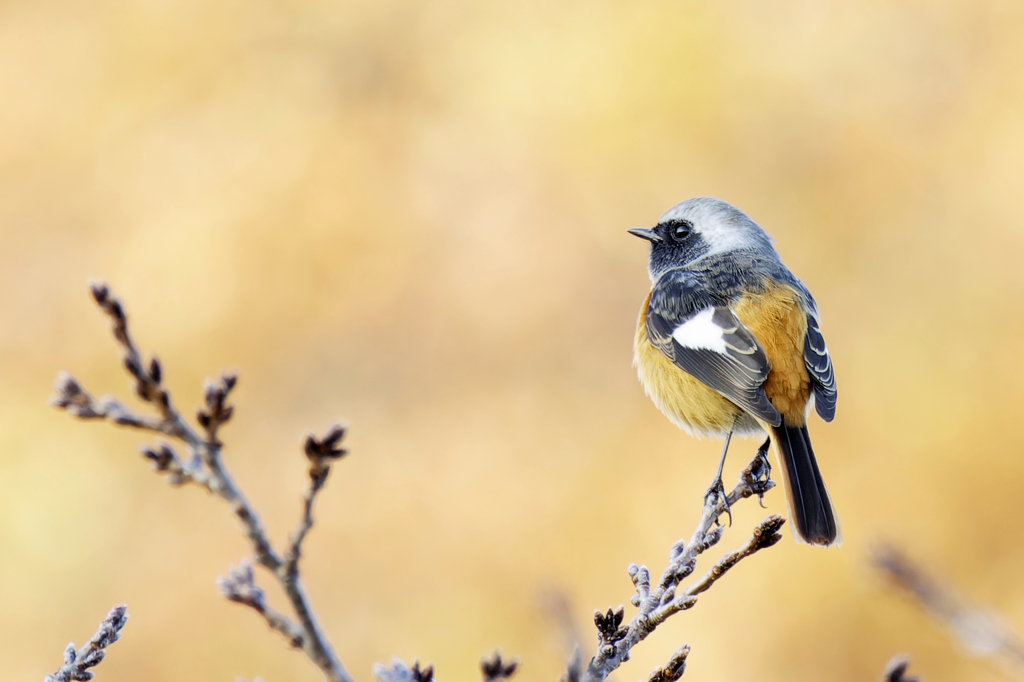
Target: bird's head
(700, 228)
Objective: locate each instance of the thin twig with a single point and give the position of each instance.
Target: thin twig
(765, 534)
(240, 586)
(320, 453)
(294, 551)
(975, 628)
(205, 468)
(77, 663)
(657, 602)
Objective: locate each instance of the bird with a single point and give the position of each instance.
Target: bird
(728, 342)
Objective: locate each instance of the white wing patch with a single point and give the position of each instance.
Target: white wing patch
(700, 331)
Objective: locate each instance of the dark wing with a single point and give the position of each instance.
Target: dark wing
(819, 365)
(709, 342)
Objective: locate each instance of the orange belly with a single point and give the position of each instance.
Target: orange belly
(780, 325)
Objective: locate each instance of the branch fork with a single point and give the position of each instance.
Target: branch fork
(656, 602)
(205, 468)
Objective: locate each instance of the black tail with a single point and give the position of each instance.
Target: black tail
(814, 519)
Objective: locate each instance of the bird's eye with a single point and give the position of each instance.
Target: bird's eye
(681, 229)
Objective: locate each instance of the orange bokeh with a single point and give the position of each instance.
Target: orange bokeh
(411, 216)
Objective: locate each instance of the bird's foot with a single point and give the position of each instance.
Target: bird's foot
(758, 474)
(715, 494)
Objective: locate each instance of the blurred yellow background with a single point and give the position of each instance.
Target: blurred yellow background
(412, 216)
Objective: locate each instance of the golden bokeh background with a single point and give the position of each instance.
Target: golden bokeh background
(412, 216)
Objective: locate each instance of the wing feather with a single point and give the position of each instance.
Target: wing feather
(819, 365)
(715, 348)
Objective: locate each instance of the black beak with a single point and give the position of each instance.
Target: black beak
(649, 235)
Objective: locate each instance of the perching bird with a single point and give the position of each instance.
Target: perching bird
(729, 343)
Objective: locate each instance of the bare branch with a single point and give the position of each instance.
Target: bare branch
(77, 663)
(978, 630)
(765, 535)
(205, 468)
(657, 602)
(148, 386)
(148, 380)
(240, 586)
(320, 453)
(79, 403)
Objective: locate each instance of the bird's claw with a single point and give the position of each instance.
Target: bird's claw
(715, 493)
(758, 473)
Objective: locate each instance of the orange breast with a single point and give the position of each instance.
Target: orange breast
(778, 321)
(684, 399)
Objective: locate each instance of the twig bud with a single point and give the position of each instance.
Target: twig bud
(495, 669)
(100, 292)
(674, 669)
(155, 371)
(132, 365)
(424, 675)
